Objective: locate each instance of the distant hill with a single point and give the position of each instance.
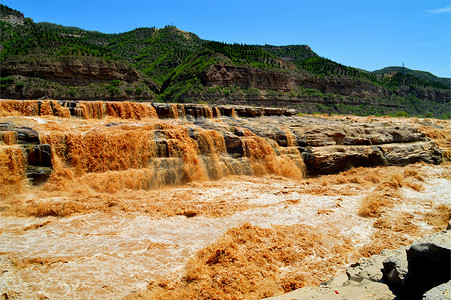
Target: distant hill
(171, 65)
(426, 76)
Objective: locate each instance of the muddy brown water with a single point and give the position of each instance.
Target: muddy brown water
(104, 226)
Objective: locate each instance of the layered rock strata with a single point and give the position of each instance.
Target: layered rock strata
(223, 75)
(71, 70)
(172, 141)
(245, 78)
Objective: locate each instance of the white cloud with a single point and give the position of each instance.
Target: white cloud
(440, 10)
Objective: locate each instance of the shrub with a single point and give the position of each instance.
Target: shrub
(115, 82)
(20, 85)
(138, 91)
(113, 90)
(6, 81)
(402, 114)
(429, 115)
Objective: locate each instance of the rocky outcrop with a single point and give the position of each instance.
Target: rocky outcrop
(38, 156)
(361, 134)
(429, 265)
(337, 147)
(70, 70)
(332, 159)
(226, 75)
(422, 267)
(442, 291)
(436, 95)
(419, 271)
(14, 19)
(11, 16)
(340, 288)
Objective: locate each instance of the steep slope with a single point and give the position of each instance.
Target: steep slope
(155, 51)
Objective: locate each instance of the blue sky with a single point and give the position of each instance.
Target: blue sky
(367, 34)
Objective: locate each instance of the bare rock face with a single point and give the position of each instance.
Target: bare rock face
(340, 288)
(71, 70)
(429, 265)
(371, 268)
(424, 266)
(395, 270)
(403, 154)
(14, 19)
(337, 147)
(442, 291)
(362, 134)
(224, 75)
(332, 159)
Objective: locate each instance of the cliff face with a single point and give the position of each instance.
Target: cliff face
(69, 77)
(436, 95)
(224, 75)
(70, 70)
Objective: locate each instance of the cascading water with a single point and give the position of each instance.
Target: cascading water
(12, 170)
(100, 199)
(118, 139)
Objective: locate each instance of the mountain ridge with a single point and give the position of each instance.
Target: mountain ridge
(417, 73)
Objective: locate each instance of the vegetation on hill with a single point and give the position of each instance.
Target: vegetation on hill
(250, 55)
(426, 78)
(6, 11)
(172, 65)
(155, 51)
(295, 53)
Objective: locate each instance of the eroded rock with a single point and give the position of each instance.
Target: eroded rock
(442, 291)
(395, 270)
(429, 265)
(404, 273)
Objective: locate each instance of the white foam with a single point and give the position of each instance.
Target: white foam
(103, 256)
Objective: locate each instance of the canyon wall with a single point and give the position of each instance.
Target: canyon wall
(345, 90)
(71, 70)
(244, 77)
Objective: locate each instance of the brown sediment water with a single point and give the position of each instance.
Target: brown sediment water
(168, 239)
(140, 206)
(440, 133)
(109, 147)
(82, 109)
(12, 170)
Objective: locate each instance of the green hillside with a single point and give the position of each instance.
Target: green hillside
(426, 77)
(171, 65)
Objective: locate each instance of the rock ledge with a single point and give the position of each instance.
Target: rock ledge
(421, 271)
